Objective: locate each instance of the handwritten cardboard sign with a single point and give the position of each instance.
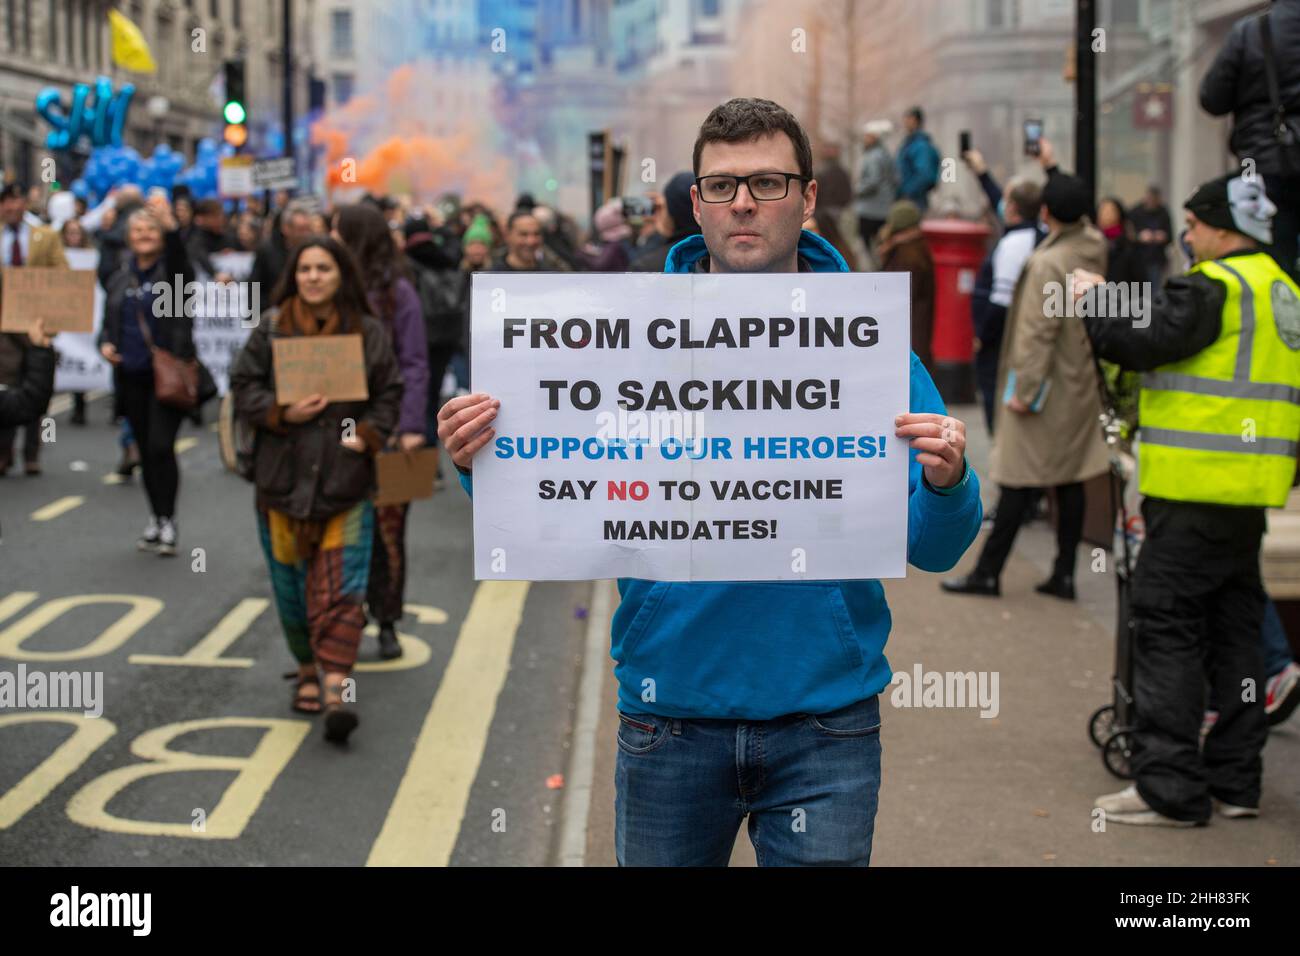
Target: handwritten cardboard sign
(64, 298)
(406, 476)
(330, 365)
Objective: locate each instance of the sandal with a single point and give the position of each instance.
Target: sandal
(340, 720)
(304, 702)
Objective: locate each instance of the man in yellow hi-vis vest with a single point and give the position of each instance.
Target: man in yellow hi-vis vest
(1219, 420)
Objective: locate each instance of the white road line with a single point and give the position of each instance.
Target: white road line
(582, 765)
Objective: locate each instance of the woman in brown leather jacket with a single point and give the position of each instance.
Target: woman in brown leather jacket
(315, 473)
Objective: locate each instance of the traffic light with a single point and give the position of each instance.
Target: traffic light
(234, 113)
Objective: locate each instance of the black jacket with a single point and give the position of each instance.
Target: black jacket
(653, 258)
(175, 332)
(202, 245)
(302, 470)
(269, 263)
(1237, 83)
(28, 399)
(1186, 318)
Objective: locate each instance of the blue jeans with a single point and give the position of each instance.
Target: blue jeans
(809, 784)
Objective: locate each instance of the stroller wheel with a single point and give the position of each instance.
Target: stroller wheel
(1115, 755)
(1101, 724)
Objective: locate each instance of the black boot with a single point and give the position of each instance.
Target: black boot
(973, 583)
(389, 647)
(1061, 587)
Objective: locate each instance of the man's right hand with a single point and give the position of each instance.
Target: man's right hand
(1046, 153)
(465, 426)
(975, 160)
(109, 351)
(305, 409)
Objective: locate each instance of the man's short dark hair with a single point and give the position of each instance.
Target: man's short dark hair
(208, 207)
(517, 215)
(744, 119)
(1066, 197)
(13, 191)
(1027, 197)
(916, 114)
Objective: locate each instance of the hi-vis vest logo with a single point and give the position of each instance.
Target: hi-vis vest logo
(1286, 313)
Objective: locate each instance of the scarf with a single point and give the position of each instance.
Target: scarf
(297, 318)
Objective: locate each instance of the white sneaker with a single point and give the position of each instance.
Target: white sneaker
(148, 540)
(167, 537)
(1282, 694)
(1127, 806)
(1234, 812)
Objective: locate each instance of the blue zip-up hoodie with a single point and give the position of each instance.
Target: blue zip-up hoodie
(755, 650)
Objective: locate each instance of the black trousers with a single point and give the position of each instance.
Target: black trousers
(986, 377)
(867, 229)
(1198, 607)
(155, 426)
(31, 441)
(1012, 509)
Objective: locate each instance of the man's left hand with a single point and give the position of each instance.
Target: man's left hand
(940, 441)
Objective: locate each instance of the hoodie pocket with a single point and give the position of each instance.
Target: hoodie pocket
(746, 648)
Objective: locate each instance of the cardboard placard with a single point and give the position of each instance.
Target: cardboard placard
(64, 298)
(331, 365)
(405, 476)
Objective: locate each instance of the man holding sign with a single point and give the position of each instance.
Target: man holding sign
(22, 246)
(757, 697)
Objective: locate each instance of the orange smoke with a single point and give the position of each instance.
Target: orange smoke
(407, 159)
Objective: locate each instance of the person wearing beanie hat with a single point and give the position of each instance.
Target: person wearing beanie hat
(1219, 346)
(674, 221)
(1046, 421)
(609, 250)
(479, 231)
(876, 184)
(903, 249)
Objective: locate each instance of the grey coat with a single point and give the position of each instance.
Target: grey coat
(876, 185)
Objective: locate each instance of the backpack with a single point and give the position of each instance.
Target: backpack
(1286, 129)
(441, 303)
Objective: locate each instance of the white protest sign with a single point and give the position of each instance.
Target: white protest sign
(692, 427)
(80, 366)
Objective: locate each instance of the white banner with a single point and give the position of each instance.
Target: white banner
(81, 368)
(692, 427)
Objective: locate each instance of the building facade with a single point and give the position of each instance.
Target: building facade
(59, 43)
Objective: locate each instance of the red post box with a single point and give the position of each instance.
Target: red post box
(958, 248)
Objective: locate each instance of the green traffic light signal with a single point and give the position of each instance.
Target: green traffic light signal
(234, 112)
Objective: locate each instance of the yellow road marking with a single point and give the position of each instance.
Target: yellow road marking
(425, 817)
(15, 602)
(185, 444)
(208, 651)
(112, 478)
(58, 507)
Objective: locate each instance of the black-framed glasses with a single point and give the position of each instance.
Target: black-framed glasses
(765, 187)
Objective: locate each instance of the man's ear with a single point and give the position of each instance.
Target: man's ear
(695, 203)
(809, 200)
